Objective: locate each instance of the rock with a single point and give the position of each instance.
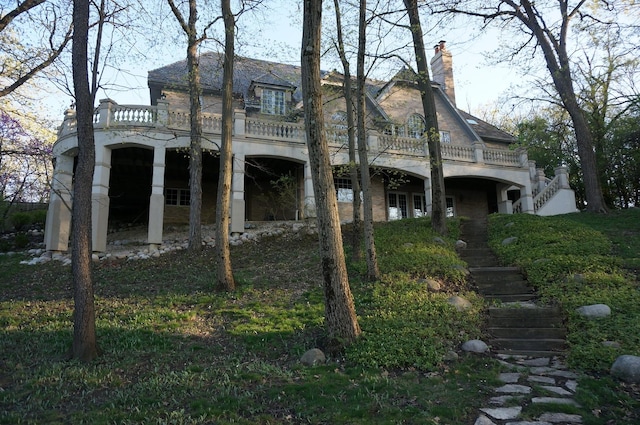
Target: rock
(432, 284)
(451, 356)
(475, 346)
(460, 244)
(462, 268)
(313, 357)
(560, 417)
(509, 241)
(594, 311)
(503, 413)
(510, 224)
(627, 368)
(611, 344)
(439, 240)
(483, 420)
(459, 303)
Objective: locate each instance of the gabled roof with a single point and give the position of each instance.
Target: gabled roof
(485, 130)
(271, 79)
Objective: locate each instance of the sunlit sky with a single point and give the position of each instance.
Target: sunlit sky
(478, 82)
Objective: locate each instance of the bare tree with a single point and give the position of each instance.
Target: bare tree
(373, 271)
(547, 25)
(347, 89)
(85, 345)
(225, 273)
(340, 317)
(22, 62)
(195, 119)
(438, 219)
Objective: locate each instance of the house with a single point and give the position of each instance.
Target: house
(141, 168)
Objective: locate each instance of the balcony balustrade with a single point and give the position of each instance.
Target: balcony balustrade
(112, 116)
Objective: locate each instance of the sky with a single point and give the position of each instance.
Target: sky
(477, 82)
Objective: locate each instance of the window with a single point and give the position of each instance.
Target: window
(419, 205)
(397, 206)
(445, 137)
(344, 189)
(450, 211)
(338, 132)
(272, 102)
(180, 197)
(415, 126)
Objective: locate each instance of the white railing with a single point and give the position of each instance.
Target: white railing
(458, 152)
(112, 115)
(543, 196)
(402, 145)
(280, 130)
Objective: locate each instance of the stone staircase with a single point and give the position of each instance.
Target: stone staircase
(515, 323)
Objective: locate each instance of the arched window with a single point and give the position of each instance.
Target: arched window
(415, 126)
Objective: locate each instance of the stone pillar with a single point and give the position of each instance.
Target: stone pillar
(156, 200)
(239, 121)
(373, 142)
(479, 152)
(309, 197)
(505, 206)
(562, 174)
(104, 113)
(526, 200)
(163, 113)
(100, 199)
(428, 200)
(541, 180)
(58, 226)
(237, 194)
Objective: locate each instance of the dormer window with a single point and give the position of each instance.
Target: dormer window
(273, 102)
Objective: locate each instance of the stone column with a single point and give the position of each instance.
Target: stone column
(309, 197)
(156, 200)
(100, 198)
(237, 194)
(505, 206)
(479, 151)
(526, 200)
(58, 227)
(239, 122)
(562, 174)
(428, 200)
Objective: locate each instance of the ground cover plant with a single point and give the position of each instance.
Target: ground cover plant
(582, 259)
(176, 351)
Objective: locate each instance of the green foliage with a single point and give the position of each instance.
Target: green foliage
(405, 326)
(569, 261)
(38, 217)
(21, 240)
(21, 220)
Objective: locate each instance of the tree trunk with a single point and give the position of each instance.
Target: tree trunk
(439, 206)
(225, 273)
(195, 147)
(373, 271)
(340, 316)
(356, 238)
(85, 346)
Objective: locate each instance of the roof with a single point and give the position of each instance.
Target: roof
(485, 130)
(246, 71)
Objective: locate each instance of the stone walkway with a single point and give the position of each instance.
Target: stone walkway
(544, 381)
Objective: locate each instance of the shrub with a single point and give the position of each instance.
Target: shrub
(20, 220)
(39, 217)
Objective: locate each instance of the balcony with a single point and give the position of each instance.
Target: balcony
(110, 115)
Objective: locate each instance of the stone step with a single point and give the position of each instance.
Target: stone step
(529, 344)
(506, 288)
(511, 298)
(527, 333)
(528, 322)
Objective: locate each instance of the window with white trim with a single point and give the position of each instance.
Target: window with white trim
(415, 126)
(272, 102)
(397, 205)
(180, 197)
(445, 137)
(344, 189)
(451, 209)
(419, 205)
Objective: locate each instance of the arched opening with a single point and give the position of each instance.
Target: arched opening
(130, 186)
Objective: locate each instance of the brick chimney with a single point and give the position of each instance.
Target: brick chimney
(442, 70)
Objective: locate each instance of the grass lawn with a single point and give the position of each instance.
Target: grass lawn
(176, 351)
